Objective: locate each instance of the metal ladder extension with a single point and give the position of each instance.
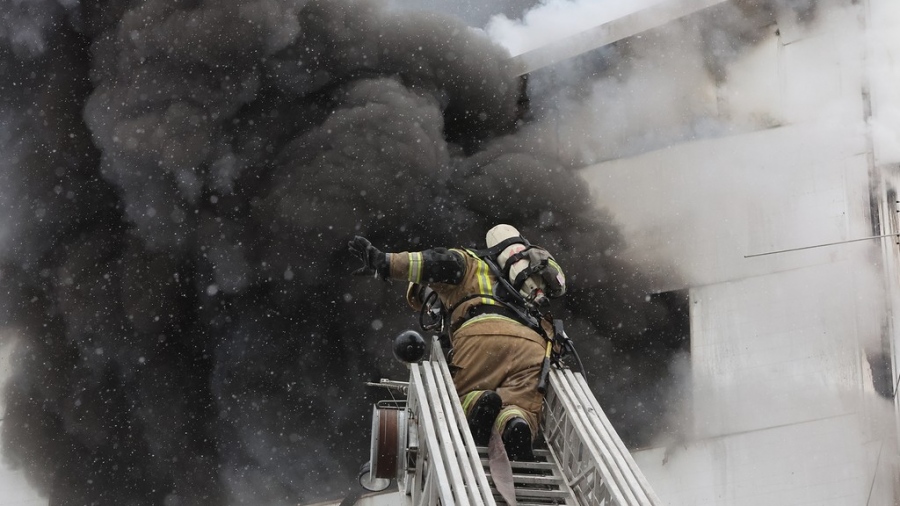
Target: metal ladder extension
(596, 465)
(580, 460)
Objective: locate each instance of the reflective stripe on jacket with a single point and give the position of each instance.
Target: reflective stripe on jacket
(472, 277)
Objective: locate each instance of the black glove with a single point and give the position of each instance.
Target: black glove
(374, 260)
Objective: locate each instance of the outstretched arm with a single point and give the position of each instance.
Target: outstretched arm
(438, 265)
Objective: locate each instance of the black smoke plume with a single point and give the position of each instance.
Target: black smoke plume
(180, 179)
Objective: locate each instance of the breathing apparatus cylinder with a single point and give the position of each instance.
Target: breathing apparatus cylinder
(534, 288)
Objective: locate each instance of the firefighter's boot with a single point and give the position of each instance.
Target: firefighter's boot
(482, 408)
(517, 440)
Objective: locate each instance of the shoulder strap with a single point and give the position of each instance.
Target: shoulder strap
(495, 250)
(518, 304)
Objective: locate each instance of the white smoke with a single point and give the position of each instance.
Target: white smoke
(709, 125)
(557, 19)
(884, 74)
(665, 85)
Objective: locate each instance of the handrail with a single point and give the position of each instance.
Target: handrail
(448, 469)
(588, 450)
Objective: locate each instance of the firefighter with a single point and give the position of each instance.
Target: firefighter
(498, 348)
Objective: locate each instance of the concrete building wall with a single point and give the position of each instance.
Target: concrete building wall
(776, 466)
(883, 51)
(705, 205)
(784, 408)
(775, 350)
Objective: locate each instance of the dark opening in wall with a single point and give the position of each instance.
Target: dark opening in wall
(648, 384)
(675, 331)
(882, 380)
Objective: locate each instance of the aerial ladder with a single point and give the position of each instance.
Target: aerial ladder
(421, 442)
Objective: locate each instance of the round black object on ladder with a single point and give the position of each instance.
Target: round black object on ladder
(409, 347)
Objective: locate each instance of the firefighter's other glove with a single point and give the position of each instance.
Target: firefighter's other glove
(375, 262)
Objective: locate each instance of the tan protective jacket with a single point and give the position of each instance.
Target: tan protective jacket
(477, 279)
(492, 351)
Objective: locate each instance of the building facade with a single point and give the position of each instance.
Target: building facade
(774, 228)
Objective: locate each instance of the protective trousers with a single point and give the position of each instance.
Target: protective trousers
(509, 365)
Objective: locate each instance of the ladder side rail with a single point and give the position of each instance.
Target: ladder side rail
(563, 495)
(429, 495)
(413, 480)
(551, 426)
(591, 484)
(576, 411)
(636, 476)
(595, 435)
(472, 462)
(609, 439)
(451, 451)
(437, 469)
(566, 448)
(603, 496)
(556, 427)
(415, 487)
(582, 476)
(423, 495)
(411, 475)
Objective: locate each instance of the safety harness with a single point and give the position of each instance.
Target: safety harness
(508, 302)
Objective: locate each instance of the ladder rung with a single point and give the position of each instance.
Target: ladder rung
(539, 495)
(533, 479)
(546, 466)
(535, 466)
(537, 479)
(534, 502)
(538, 452)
